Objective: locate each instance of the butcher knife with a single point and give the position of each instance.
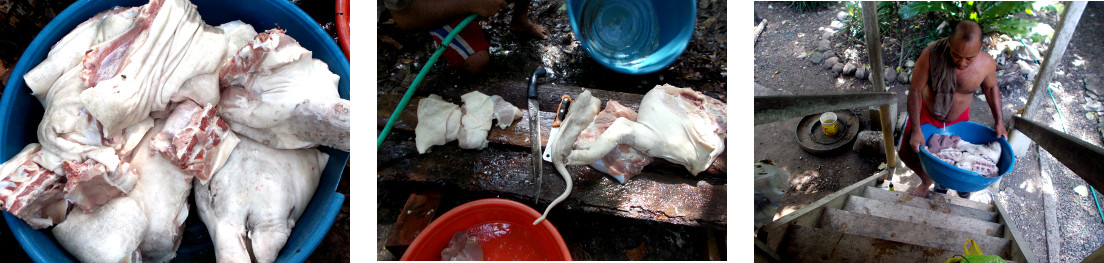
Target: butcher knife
(561, 113)
(534, 128)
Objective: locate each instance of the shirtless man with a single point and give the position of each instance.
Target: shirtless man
(946, 76)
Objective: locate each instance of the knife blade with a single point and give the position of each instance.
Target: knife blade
(534, 129)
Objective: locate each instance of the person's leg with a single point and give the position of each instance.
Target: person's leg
(522, 24)
(476, 62)
(912, 161)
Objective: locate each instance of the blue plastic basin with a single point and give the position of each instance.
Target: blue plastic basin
(676, 20)
(957, 178)
(20, 114)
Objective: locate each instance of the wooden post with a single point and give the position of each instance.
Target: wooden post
(887, 136)
(770, 109)
(873, 44)
(1054, 53)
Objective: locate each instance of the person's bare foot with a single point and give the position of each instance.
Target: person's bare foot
(528, 28)
(922, 189)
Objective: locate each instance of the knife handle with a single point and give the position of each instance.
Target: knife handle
(539, 72)
(561, 110)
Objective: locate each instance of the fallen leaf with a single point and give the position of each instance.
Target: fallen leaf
(636, 253)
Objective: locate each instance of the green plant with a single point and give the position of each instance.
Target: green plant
(887, 16)
(809, 6)
(992, 16)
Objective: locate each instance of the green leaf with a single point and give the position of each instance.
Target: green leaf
(916, 8)
(1002, 9)
(1012, 26)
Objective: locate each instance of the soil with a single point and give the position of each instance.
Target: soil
(791, 34)
(589, 236)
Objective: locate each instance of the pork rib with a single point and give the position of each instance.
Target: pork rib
(26, 188)
(196, 140)
(275, 93)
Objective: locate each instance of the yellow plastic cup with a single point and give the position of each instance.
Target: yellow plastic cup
(828, 123)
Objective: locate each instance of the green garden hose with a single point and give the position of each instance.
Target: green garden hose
(1062, 120)
(418, 80)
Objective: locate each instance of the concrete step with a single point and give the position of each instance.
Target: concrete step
(908, 232)
(921, 216)
(809, 244)
(954, 199)
(904, 198)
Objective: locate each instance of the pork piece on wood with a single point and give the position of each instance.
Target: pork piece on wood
(196, 140)
(504, 112)
(275, 93)
(27, 189)
(252, 203)
(140, 70)
(579, 116)
(438, 123)
(162, 193)
(623, 162)
(677, 124)
(110, 234)
(476, 123)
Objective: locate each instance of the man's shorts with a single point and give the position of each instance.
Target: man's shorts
(468, 42)
(926, 118)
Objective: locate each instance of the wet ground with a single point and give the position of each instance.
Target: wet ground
(589, 236)
(1076, 223)
(21, 20)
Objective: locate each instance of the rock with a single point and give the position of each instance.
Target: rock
(849, 68)
(860, 72)
(869, 143)
(837, 68)
(1029, 53)
(831, 62)
(1092, 105)
(910, 63)
(1091, 95)
(824, 45)
(842, 15)
(1090, 115)
(904, 77)
(890, 75)
(1093, 84)
(836, 24)
(1027, 68)
(816, 57)
(827, 35)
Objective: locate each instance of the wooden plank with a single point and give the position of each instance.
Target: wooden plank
(921, 216)
(808, 244)
(1081, 157)
(908, 232)
(518, 133)
(904, 198)
(770, 109)
(1070, 18)
(419, 210)
(873, 44)
(653, 195)
(773, 233)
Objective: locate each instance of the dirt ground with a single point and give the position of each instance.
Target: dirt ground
(589, 236)
(779, 71)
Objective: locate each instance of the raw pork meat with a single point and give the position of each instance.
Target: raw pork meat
(623, 162)
(140, 70)
(677, 124)
(981, 159)
(110, 234)
(579, 116)
(196, 140)
(438, 123)
(476, 123)
(162, 193)
(462, 247)
(504, 112)
(275, 93)
(253, 202)
(26, 189)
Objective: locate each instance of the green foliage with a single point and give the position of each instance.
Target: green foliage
(992, 16)
(853, 24)
(809, 6)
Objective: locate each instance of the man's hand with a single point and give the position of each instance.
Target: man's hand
(917, 140)
(1001, 132)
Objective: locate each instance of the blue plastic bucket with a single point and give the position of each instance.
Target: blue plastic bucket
(633, 36)
(20, 114)
(957, 178)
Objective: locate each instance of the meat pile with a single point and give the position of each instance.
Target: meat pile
(142, 100)
(679, 125)
(440, 122)
(981, 159)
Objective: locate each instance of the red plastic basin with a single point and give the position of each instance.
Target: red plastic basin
(504, 228)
